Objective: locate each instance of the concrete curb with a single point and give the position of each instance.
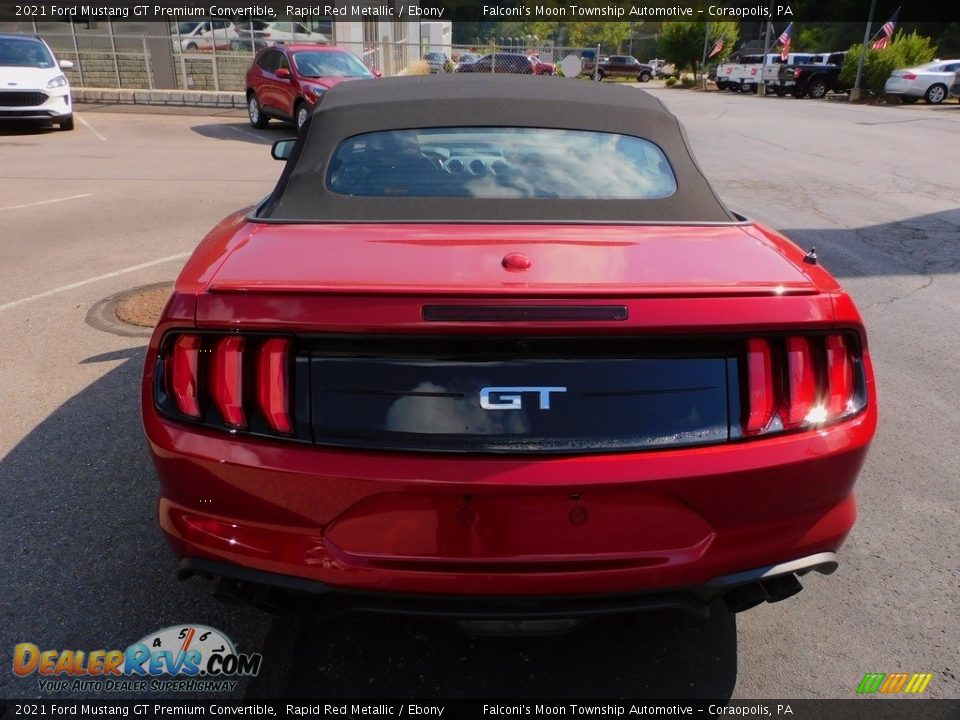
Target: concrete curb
(183, 98)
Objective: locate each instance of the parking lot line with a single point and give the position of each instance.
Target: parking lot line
(90, 127)
(46, 202)
(98, 278)
(247, 132)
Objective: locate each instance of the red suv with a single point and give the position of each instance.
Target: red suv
(286, 81)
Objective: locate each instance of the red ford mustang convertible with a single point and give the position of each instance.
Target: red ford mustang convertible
(493, 348)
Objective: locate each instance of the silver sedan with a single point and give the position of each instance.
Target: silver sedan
(930, 81)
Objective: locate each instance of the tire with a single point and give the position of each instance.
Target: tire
(66, 123)
(643, 77)
(255, 112)
(935, 94)
(817, 88)
(721, 85)
(599, 75)
(300, 114)
(733, 87)
(191, 47)
(780, 91)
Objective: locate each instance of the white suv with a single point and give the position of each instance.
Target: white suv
(32, 86)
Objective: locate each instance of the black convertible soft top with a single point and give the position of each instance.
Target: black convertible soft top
(476, 100)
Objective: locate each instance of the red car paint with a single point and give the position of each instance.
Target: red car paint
(500, 525)
(279, 93)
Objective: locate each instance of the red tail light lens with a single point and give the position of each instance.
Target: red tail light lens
(801, 382)
(762, 401)
(273, 384)
(184, 380)
(797, 72)
(909, 76)
(226, 376)
(840, 375)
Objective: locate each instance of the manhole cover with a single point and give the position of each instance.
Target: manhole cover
(133, 312)
(144, 307)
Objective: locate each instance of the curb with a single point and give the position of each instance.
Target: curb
(182, 98)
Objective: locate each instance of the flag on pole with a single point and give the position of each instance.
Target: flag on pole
(888, 27)
(717, 47)
(784, 40)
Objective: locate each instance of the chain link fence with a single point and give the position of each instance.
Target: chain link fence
(220, 60)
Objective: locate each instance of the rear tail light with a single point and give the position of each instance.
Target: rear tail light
(801, 382)
(797, 72)
(184, 374)
(909, 76)
(762, 396)
(228, 381)
(273, 384)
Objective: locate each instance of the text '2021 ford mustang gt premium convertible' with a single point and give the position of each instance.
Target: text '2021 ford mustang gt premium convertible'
(494, 347)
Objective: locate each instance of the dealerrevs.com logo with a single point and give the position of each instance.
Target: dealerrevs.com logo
(181, 658)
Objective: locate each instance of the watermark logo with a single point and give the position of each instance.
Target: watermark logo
(894, 683)
(198, 653)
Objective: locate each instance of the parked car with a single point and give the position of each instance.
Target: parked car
(259, 34)
(813, 79)
(955, 87)
(930, 82)
(190, 36)
(624, 66)
(437, 62)
(662, 68)
(456, 365)
(32, 83)
(541, 67)
(465, 59)
(286, 81)
(501, 62)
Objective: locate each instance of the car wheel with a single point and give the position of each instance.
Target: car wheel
(818, 88)
(936, 94)
(643, 77)
(301, 113)
(908, 99)
(255, 112)
(191, 46)
(733, 87)
(66, 123)
(599, 75)
(780, 91)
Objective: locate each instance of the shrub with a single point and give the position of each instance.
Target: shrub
(688, 80)
(671, 81)
(906, 50)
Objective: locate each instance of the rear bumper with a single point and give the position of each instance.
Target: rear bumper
(561, 526)
(277, 593)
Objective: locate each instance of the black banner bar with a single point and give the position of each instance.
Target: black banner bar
(478, 10)
(872, 708)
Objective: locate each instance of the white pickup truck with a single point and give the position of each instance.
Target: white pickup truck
(745, 73)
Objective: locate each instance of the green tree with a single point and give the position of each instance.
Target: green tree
(906, 50)
(682, 42)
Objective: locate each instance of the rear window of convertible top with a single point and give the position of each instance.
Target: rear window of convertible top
(493, 162)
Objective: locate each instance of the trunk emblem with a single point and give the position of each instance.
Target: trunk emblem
(515, 261)
(511, 398)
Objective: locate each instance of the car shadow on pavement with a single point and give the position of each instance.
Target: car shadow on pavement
(13, 128)
(83, 562)
(661, 654)
(244, 132)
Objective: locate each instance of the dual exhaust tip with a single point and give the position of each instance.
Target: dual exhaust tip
(773, 589)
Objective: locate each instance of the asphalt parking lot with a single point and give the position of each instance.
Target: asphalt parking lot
(119, 203)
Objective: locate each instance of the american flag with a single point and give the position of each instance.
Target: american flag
(717, 47)
(887, 30)
(784, 40)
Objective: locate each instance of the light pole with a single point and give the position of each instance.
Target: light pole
(855, 92)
